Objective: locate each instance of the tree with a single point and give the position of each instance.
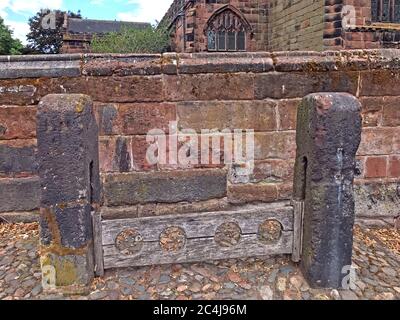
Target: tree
(8, 45)
(154, 39)
(45, 34)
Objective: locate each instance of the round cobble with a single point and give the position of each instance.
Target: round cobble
(266, 278)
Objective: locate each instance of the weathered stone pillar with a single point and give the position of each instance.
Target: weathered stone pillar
(328, 136)
(67, 136)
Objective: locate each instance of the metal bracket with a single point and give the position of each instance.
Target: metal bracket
(298, 219)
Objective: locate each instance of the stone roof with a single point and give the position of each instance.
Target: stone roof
(101, 26)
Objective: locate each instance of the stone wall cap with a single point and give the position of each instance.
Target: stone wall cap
(42, 57)
(75, 65)
(39, 66)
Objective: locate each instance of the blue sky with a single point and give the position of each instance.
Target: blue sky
(17, 12)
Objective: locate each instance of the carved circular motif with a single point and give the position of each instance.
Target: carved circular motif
(270, 231)
(173, 239)
(129, 242)
(228, 234)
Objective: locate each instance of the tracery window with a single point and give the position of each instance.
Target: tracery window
(226, 31)
(386, 11)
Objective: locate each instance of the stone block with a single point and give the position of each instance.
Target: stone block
(68, 159)
(245, 193)
(164, 187)
(218, 86)
(134, 119)
(19, 194)
(17, 122)
(296, 85)
(328, 136)
(18, 158)
(220, 115)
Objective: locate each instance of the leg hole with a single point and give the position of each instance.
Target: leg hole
(129, 242)
(228, 234)
(270, 231)
(173, 239)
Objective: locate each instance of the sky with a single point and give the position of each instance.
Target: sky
(17, 12)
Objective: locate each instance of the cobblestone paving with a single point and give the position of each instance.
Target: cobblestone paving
(377, 268)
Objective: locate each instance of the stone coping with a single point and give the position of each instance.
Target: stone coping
(75, 65)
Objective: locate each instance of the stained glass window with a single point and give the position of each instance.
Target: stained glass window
(385, 11)
(226, 32)
(212, 41)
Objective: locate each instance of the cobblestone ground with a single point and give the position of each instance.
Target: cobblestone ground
(376, 258)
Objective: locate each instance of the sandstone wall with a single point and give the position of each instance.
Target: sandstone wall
(296, 25)
(134, 94)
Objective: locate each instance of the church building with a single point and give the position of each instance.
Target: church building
(278, 25)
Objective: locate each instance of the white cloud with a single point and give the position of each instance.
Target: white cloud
(3, 14)
(20, 30)
(148, 11)
(3, 5)
(27, 8)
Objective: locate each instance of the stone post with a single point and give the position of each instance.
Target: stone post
(328, 136)
(67, 136)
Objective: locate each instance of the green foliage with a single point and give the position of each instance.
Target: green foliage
(8, 45)
(149, 40)
(45, 34)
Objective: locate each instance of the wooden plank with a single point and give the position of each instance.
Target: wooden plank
(199, 225)
(97, 243)
(195, 250)
(298, 207)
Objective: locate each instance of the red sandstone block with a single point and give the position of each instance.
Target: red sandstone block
(380, 83)
(47, 86)
(134, 119)
(394, 166)
(280, 145)
(124, 154)
(254, 115)
(372, 45)
(355, 44)
(130, 153)
(285, 191)
(229, 86)
(273, 170)
(371, 110)
(287, 111)
(244, 193)
(391, 111)
(17, 122)
(18, 92)
(378, 141)
(137, 148)
(197, 151)
(106, 154)
(354, 36)
(24, 92)
(126, 89)
(366, 11)
(376, 167)
(297, 85)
